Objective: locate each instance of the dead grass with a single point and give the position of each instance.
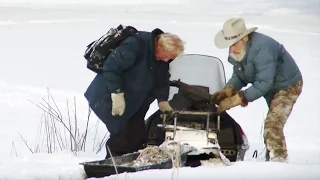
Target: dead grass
(59, 131)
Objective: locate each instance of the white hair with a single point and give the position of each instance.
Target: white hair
(171, 42)
(239, 57)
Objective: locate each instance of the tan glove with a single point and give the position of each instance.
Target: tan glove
(118, 104)
(164, 106)
(227, 91)
(230, 102)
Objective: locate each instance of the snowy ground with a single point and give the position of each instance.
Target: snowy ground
(42, 43)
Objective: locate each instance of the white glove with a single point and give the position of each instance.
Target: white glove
(164, 106)
(118, 103)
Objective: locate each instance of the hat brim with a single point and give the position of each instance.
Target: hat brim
(222, 43)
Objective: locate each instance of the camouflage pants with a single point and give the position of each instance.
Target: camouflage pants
(279, 111)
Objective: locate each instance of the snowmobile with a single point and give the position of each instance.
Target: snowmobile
(195, 130)
(193, 79)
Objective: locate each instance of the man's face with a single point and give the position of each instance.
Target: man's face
(238, 50)
(163, 55)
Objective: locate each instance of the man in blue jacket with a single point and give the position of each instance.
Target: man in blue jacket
(273, 74)
(134, 75)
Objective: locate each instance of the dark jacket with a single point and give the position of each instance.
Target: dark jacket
(131, 68)
(267, 65)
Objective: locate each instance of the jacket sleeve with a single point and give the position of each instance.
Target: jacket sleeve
(265, 67)
(162, 87)
(236, 81)
(121, 59)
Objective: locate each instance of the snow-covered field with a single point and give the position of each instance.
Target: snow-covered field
(42, 43)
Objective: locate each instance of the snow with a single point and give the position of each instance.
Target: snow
(241, 170)
(42, 45)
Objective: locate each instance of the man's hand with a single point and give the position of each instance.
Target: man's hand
(166, 109)
(227, 91)
(118, 104)
(164, 106)
(238, 99)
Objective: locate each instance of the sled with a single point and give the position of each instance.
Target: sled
(128, 163)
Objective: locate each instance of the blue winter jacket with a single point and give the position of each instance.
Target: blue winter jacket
(267, 66)
(133, 69)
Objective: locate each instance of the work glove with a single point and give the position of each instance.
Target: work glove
(166, 109)
(230, 102)
(118, 104)
(227, 91)
(164, 106)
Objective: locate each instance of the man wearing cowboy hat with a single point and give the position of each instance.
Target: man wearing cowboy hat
(273, 74)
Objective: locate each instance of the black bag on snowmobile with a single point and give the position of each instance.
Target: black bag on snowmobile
(98, 51)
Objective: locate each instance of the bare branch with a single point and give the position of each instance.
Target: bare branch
(86, 130)
(102, 142)
(25, 142)
(70, 130)
(75, 123)
(13, 147)
(54, 102)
